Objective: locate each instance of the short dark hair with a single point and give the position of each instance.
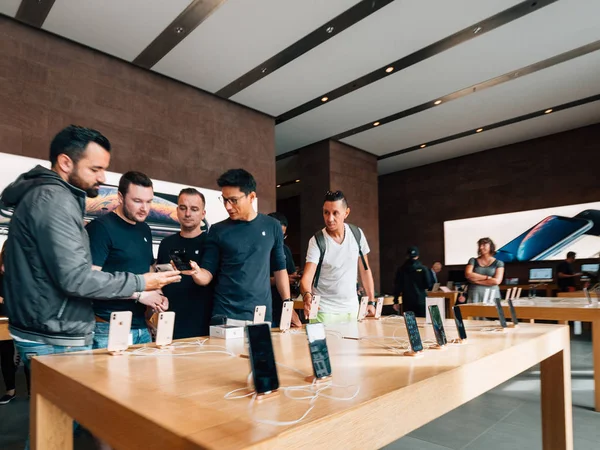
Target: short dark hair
(239, 178)
(334, 196)
(571, 255)
(192, 191)
(487, 240)
(132, 177)
(73, 140)
(280, 217)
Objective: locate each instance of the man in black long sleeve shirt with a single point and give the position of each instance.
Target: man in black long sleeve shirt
(411, 281)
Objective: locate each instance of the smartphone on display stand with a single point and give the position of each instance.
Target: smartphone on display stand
(164, 328)
(262, 359)
(314, 307)
(286, 316)
(180, 259)
(362, 310)
(544, 239)
(379, 308)
(438, 325)
(319, 355)
(259, 314)
(501, 317)
(513, 313)
(414, 337)
(460, 324)
(118, 332)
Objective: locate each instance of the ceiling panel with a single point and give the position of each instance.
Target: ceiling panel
(240, 35)
(530, 129)
(117, 27)
(395, 31)
(554, 29)
(9, 7)
(554, 86)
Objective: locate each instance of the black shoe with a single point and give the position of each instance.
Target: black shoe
(6, 398)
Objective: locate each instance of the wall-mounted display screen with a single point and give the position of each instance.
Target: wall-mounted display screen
(540, 274)
(590, 268)
(536, 235)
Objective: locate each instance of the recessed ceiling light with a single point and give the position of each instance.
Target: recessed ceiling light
(548, 111)
(389, 69)
(297, 181)
(477, 30)
(278, 185)
(179, 30)
(437, 102)
(479, 130)
(324, 99)
(329, 30)
(376, 124)
(423, 145)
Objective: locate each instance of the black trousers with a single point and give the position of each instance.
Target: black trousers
(7, 361)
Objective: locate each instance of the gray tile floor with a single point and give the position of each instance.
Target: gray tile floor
(507, 417)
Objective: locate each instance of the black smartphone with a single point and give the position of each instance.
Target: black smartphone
(414, 337)
(262, 358)
(438, 325)
(513, 313)
(501, 317)
(180, 259)
(460, 325)
(317, 344)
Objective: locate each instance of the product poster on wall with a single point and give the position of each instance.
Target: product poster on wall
(162, 218)
(536, 235)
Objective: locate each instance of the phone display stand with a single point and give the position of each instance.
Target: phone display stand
(437, 347)
(116, 352)
(413, 354)
(267, 395)
(458, 341)
(313, 379)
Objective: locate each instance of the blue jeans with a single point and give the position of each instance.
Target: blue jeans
(137, 335)
(27, 350)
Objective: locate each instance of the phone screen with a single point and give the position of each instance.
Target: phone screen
(438, 325)
(542, 237)
(262, 358)
(413, 331)
(319, 354)
(180, 259)
(460, 325)
(501, 317)
(513, 313)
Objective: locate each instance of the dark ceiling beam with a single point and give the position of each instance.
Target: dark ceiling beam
(325, 32)
(186, 22)
(551, 110)
(513, 75)
(478, 29)
(34, 12)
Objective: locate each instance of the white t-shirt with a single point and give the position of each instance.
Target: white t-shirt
(337, 282)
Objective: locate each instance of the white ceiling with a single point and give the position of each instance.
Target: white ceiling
(241, 34)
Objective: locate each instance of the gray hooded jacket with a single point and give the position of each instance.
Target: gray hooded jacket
(49, 281)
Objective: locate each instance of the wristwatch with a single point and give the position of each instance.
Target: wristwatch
(372, 303)
(287, 300)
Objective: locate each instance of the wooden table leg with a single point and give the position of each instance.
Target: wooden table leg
(557, 411)
(50, 427)
(596, 358)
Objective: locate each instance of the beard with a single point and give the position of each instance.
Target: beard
(131, 216)
(77, 181)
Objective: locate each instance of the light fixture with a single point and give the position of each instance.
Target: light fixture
(423, 145)
(179, 30)
(324, 99)
(278, 185)
(477, 30)
(329, 30)
(389, 69)
(297, 181)
(479, 130)
(376, 124)
(548, 111)
(437, 102)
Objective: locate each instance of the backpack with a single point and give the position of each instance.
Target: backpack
(320, 238)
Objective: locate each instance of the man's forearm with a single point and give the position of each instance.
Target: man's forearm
(283, 283)
(202, 277)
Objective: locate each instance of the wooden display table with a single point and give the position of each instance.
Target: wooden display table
(575, 294)
(548, 288)
(560, 309)
(387, 301)
(451, 299)
(165, 402)
(4, 334)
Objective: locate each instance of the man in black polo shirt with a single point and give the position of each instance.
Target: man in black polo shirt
(565, 273)
(191, 303)
(240, 252)
(120, 241)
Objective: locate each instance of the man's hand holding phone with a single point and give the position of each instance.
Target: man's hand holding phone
(157, 280)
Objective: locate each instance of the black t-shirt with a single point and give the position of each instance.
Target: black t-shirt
(564, 283)
(240, 255)
(191, 303)
(118, 246)
(277, 300)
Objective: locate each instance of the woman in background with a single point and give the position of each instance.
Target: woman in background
(484, 272)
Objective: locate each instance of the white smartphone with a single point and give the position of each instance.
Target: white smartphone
(164, 268)
(508, 293)
(379, 308)
(164, 328)
(314, 307)
(514, 294)
(436, 287)
(259, 314)
(118, 333)
(518, 293)
(286, 316)
(362, 310)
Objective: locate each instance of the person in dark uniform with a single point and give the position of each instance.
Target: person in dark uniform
(412, 280)
(566, 274)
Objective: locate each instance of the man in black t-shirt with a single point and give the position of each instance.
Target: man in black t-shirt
(121, 241)
(239, 253)
(565, 273)
(191, 303)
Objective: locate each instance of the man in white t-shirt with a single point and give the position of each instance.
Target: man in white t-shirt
(341, 264)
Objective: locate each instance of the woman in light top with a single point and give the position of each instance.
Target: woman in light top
(484, 272)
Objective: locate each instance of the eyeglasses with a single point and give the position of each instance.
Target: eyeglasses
(231, 200)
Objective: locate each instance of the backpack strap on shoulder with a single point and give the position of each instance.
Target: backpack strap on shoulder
(357, 235)
(320, 238)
